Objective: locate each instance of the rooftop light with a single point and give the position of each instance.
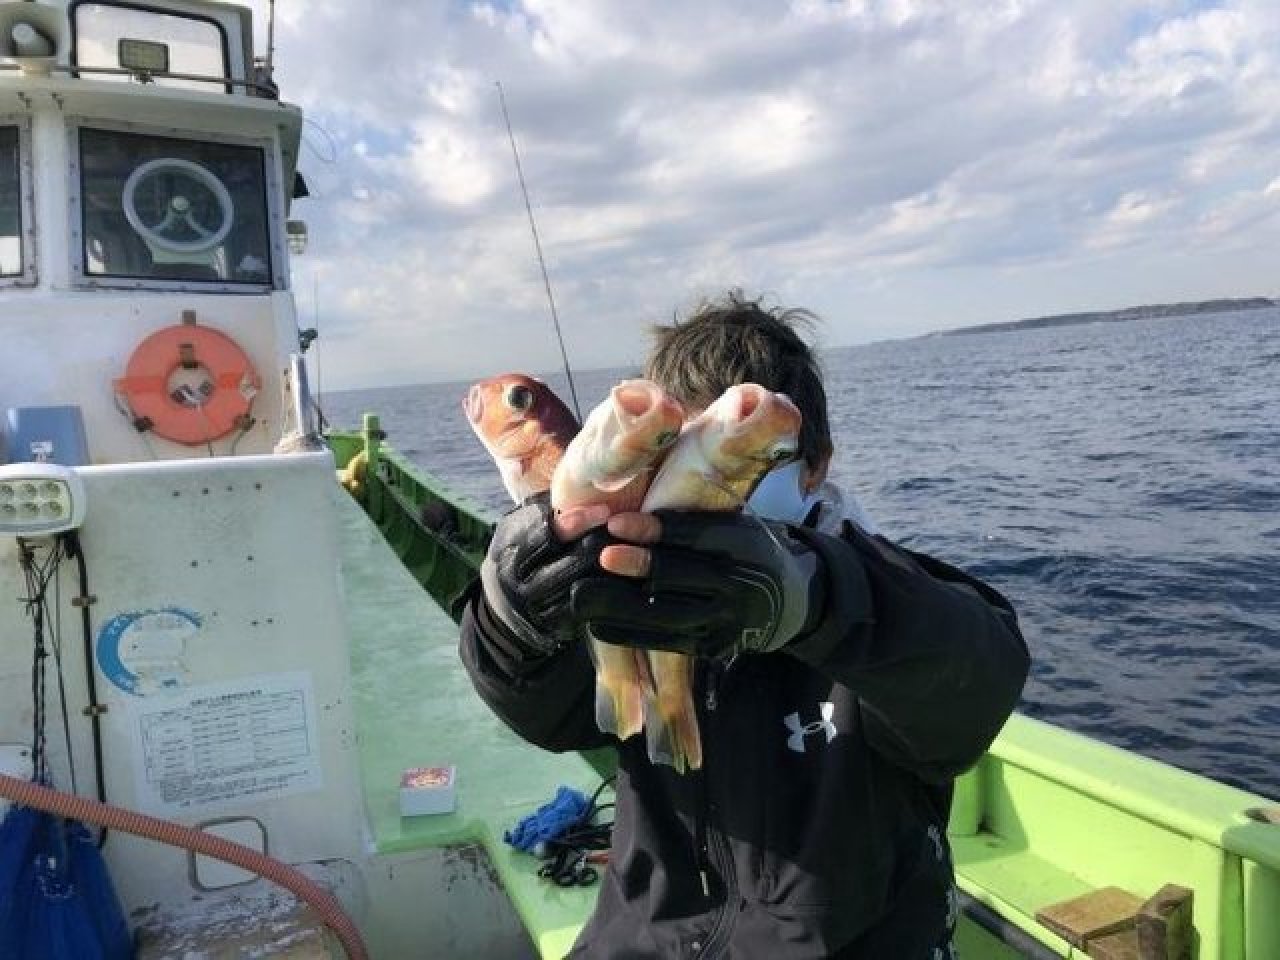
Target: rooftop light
(143, 56)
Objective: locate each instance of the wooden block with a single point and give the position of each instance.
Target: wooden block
(1164, 927)
(1092, 916)
(1115, 946)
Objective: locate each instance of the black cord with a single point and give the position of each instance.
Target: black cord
(566, 856)
(56, 642)
(35, 610)
(71, 541)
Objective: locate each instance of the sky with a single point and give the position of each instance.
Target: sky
(896, 166)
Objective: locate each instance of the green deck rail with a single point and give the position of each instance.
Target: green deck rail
(437, 534)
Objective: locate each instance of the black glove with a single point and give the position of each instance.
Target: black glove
(527, 573)
(719, 584)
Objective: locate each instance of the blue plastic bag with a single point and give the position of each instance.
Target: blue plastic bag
(56, 897)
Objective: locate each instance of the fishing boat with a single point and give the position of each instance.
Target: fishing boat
(247, 672)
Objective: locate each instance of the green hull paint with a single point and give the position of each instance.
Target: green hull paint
(1047, 815)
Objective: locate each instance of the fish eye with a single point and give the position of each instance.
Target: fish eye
(666, 438)
(782, 454)
(519, 397)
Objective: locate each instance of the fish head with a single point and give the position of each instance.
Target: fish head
(623, 438)
(747, 432)
(523, 425)
(643, 420)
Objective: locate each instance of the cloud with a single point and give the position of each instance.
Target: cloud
(1009, 158)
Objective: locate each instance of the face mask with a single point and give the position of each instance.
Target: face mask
(779, 495)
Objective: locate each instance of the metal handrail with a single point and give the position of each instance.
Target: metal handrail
(146, 76)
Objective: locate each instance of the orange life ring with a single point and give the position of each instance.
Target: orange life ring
(221, 405)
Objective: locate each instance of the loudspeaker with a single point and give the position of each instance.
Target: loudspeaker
(32, 35)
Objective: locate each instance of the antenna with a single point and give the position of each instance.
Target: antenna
(537, 246)
(271, 36)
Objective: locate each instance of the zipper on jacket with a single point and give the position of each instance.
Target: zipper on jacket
(701, 852)
(710, 839)
(700, 840)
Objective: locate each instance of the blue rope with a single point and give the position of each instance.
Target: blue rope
(569, 808)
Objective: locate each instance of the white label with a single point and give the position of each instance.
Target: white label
(218, 743)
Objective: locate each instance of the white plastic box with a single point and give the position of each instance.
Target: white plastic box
(425, 790)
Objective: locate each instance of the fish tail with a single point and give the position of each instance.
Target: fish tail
(671, 729)
(675, 740)
(619, 707)
(687, 737)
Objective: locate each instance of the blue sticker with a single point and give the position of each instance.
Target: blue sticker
(144, 651)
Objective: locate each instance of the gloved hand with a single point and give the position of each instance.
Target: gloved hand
(718, 584)
(528, 570)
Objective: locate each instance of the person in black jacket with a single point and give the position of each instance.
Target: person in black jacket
(842, 683)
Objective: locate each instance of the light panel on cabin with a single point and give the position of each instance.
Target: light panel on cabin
(40, 499)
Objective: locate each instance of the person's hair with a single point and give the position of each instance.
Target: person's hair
(735, 340)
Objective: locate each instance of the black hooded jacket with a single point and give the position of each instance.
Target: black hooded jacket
(816, 827)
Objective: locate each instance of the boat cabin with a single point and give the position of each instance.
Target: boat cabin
(146, 174)
(149, 369)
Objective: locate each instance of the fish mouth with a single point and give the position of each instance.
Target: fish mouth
(753, 405)
(633, 400)
(644, 421)
(750, 399)
(473, 404)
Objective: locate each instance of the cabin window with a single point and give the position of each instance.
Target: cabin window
(167, 209)
(10, 202)
(196, 45)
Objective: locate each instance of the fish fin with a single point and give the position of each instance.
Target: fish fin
(619, 708)
(671, 730)
(687, 736)
(660, 740)
(613, 486)
(645, 675)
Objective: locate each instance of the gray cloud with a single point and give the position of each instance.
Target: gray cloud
(900, 165)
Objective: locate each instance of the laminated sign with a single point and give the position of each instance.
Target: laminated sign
(248, 739)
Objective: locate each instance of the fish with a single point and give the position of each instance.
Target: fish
(525, 427)
(720, 457)
(610, 462)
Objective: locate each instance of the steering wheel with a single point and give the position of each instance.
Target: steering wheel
(179, 216)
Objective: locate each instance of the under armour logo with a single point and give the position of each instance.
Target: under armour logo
(800, 731)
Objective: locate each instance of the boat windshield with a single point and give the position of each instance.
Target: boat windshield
(10, 203)
(192, 45)
(166, 209)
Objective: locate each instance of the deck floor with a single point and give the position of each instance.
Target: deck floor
(415, 706)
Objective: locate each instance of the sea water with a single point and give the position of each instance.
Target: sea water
(1119, 482)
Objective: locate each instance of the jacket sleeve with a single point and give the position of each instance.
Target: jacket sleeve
(935, 656)
(547, 699)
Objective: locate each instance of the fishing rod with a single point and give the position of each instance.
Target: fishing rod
(537, 246)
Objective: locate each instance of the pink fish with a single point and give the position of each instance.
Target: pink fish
(611, 462)
(525, 427)
(720, 457)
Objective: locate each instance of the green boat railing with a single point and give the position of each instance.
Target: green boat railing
(438, 535)
(1045, 817)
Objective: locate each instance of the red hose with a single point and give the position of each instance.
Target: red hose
(28, 794)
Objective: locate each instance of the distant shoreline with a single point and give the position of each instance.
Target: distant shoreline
(1147, 312)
